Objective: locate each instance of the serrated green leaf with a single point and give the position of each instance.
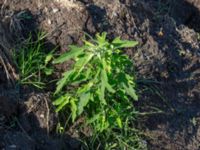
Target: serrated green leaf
(81, 63)
(104, 78)
(83, 101)
(74, 52)
(109, 88)
(130, 91)
(119, 122)
(61, 102)
(88, 73)
(61, 106)
(82, 78)
(88, 43)
(118, 43)
(102, 93)
(101, 38)
(61, 83)
(84, 88)
(73, 109)
(105, 82)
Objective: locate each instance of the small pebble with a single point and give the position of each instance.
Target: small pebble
(49, 21)
(42, 116)
(55, 10)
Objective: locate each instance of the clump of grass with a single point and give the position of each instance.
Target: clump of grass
(126, 138)
(33, 62)
(100, 88)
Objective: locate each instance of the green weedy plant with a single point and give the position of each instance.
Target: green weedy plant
(33, 63)
(98, 86)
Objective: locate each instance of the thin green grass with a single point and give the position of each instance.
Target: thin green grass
(32, 62)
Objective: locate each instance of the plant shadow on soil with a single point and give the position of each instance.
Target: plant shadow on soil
(27, 117)
(98, 16)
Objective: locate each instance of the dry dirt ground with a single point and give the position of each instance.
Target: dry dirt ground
(167, 63)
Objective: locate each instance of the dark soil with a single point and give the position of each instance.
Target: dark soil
(167, 64)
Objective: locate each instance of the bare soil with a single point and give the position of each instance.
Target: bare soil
(167, 63)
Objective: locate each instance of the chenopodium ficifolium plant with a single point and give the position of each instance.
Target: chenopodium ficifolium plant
(98, 85)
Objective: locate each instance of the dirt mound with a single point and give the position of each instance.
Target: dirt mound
(168, 53)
